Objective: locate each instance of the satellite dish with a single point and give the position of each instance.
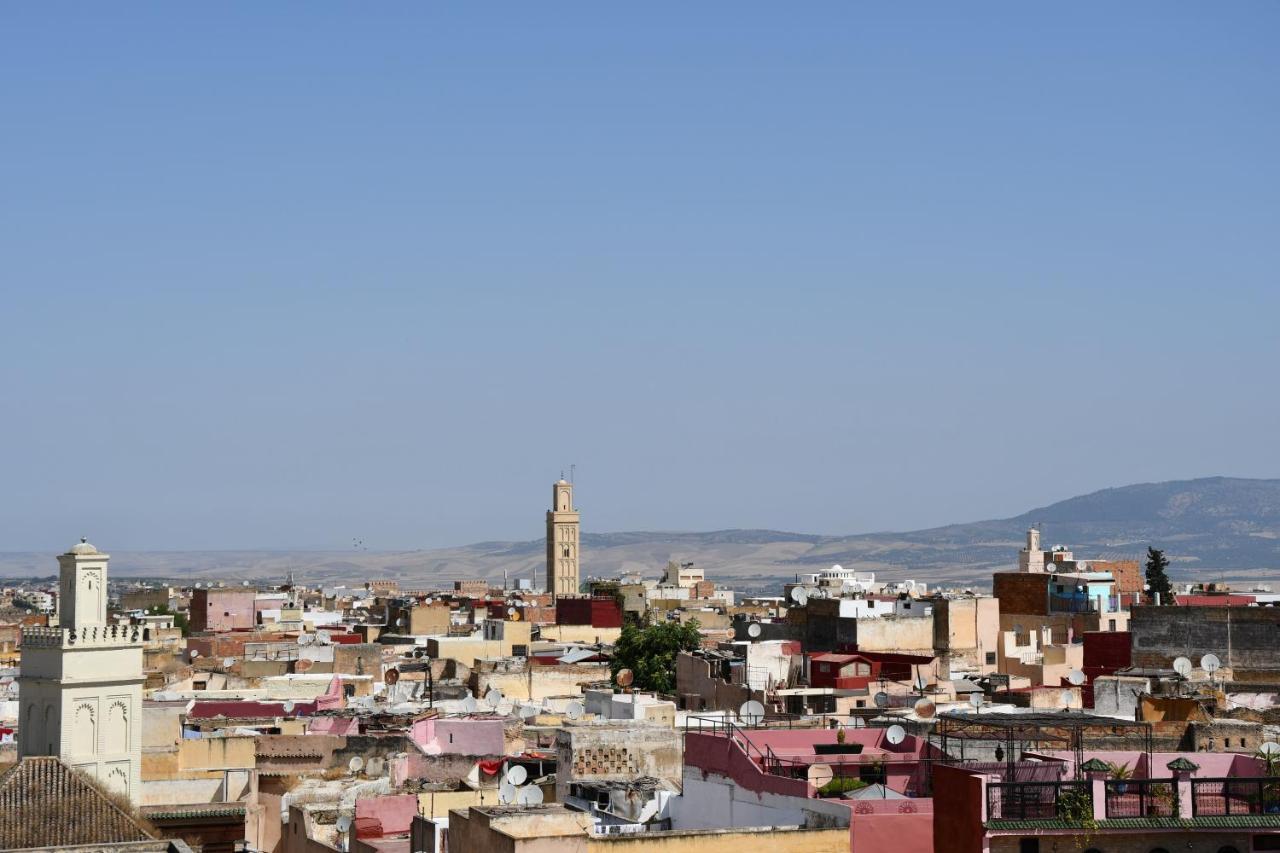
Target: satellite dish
(855, 587)
(511, 611)
(194, 654)
(400, 622)
(896, 734)
(751, 712)
(625, 677)
(493, 698)
(356, 764)
(574, 711)
(392, 676)
(469, 705)
(528, 712)
(1210, 663)
(800, 595)
(1182, 666)
(322, 637)
(1269, 748)
(819, 775)
(506, 793)
(343, 824)
(303, 665)
(881, 699)
(754, 630)
(517, 774)
(227, 663)
(1067, 697)
(975, 699)
(924, 708)
(858, 722)
(289, 706)
(1082, 566)
(921, 683)
(504, 708)
(529, 795)
(1075, 677)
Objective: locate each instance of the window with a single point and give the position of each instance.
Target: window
(1111, 624)
(991, 658)
(1266, 842)
(1029, 845)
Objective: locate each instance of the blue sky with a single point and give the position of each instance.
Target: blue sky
(280, 276)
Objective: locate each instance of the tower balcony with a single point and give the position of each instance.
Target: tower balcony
(97, 636)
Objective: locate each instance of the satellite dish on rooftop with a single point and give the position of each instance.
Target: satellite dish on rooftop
(896, 734)
(528, 712)
(323, 638)
(1182, 666)
(1210, 663)
(624, 678)
(819, 775)
(391, 676)
(1067, 697)
(303, 665)
(356, 764)
(227, 663)
(754, 630)
(194, 654)
(881, 699)
(855, 587)
(529, 795)
(921, 683)
(400, 622)
(511, 611)
(751, 712)
(288, 707)
(343, 824)
(493, 698)
(924, 708)
(574, 711)
(506, 793)
(469, 705)
(1075, 677)
(975, 699)
(858, 722)
(1269, 748)
(516, 774)
(800, 595)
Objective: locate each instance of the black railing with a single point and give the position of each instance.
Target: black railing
(1071, 801)
(1225, 797)
(1142, 798)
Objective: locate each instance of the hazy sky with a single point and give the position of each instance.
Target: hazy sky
(282, 275)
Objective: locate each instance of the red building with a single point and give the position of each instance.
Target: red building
(856, 670)
(596, 611)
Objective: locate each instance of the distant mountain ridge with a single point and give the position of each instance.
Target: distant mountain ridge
(1211, 526)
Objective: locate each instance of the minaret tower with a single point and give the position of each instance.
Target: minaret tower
(562, 541)
(80, 687)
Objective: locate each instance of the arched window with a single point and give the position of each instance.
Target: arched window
(84, 737)
(115, 732)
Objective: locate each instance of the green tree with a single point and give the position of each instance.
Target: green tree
(649, 651)
(1157, 577)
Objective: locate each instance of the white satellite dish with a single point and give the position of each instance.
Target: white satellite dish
(517, 774)
(528, 712)
(574, 710)
(1067, 697)
(289, 706)
(511, 611)
(493, 698)
(322, 637)
(754, 630)
(975, 699)
(1269, 748)
(1075, 677)
(751, 712)
(1082, 566)
(227, 663)
(819, 775)
(343, 824)
(375, 766)
(504, 708)
(921, 683)
(1210, 663)
(881, 699)
(855, 587)
(1182, 666)
(356, 764)
(529, 795)
(194, 654)
(506, 793)
(857, 722)
(800, 596)
(400, 622)
(896, 734)
(469, 705)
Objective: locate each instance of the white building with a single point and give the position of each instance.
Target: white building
(80, 689)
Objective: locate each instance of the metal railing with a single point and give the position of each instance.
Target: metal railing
(1039, 801)
(1240, 796)
(1142, 798)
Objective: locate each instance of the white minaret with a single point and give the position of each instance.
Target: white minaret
(80, 686)
(562, 541)
(1031, 558)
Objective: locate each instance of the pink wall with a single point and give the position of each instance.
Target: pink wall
(459, 736)
(898, 825)
(333, 726)
(1213, 765)
(377, 816)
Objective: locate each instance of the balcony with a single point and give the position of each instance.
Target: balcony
(1230, 797)
(1142, 798)
(1070, 801)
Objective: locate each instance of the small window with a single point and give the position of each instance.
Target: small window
(991, 658)
(1266, 842)
(1029, 845)
(1111, 624)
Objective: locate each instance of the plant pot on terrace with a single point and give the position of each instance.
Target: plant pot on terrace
(837, 748)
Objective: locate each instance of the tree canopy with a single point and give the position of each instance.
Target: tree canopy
(1157, 578)
(649, 651)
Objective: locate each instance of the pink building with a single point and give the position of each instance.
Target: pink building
(222, 609)
(460, 735)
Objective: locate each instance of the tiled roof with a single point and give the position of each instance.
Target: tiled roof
(45, 803)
